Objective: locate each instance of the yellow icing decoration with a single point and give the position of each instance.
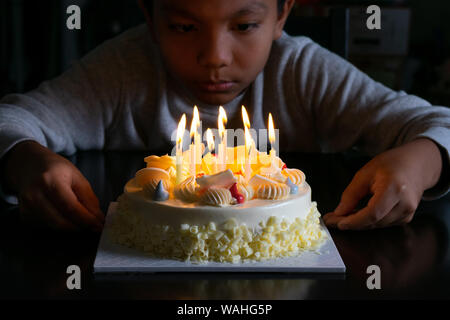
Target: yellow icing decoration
(164, 162)
(148, 175)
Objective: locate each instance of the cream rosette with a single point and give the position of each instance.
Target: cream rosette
(268, 189)
(216, 197)
(150, 187)
(187, 190)
(244, 188)
(297, 176)
(275, 191)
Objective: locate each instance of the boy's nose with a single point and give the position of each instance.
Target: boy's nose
(215, 51)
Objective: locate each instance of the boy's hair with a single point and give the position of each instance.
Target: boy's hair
(149, 5)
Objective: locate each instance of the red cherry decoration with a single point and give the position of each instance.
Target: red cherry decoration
(284, 167)
(235, 193)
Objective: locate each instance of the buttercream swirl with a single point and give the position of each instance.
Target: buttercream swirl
(187, 190)
(246, 190)
(150, 187)
(296, 175)
(216, 197)
(273, 191)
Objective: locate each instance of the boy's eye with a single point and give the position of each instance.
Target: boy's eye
(245, 27)
(183, 28)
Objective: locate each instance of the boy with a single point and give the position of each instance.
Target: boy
(131, 91)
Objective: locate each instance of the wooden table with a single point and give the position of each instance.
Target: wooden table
(413, 259)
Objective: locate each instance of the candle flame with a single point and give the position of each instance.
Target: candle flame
(245, 118)
(248, 139)
(210, 140)
(222, 120)
(181, 128)
(195, 122)
(271, 130)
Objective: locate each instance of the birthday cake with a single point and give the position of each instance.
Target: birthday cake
(234, 212)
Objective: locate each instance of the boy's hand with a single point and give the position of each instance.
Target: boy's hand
(50, 189)
(396, 180)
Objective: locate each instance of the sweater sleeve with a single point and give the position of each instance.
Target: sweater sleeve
(69, 113)
(351, 110)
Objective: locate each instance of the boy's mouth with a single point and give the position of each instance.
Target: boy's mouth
(217, 86)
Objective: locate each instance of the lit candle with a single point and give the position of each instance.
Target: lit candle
(210, 156)
(222, 152)
(194, 147)
(179, 149)
(251, 142)
(248, 148)
(272, 140)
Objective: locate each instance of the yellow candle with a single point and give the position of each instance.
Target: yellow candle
(192, 158)
(272, 141)
(210, 141)
(248, 147)
(195, 147)
(250, 150)
(179, 149)
(222, 120)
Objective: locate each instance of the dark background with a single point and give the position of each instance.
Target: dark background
(35, 44)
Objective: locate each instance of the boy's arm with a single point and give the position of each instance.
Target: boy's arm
(68, 113)
(350, 110)
(79, 110)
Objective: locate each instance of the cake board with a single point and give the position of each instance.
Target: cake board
(115, 258)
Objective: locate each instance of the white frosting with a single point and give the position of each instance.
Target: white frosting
(174, 212)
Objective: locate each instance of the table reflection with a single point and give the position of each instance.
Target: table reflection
(413, 259)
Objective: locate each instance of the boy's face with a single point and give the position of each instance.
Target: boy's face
(216, 48)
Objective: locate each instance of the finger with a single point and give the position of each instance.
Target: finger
(401, 214)
(378, 207)
(40, 211)
(331, 220)
(358, 188)
(67, 203)
(82, 189)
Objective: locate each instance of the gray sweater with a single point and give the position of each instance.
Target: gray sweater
(119, 97)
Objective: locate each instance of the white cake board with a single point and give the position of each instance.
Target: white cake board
(114, 258)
